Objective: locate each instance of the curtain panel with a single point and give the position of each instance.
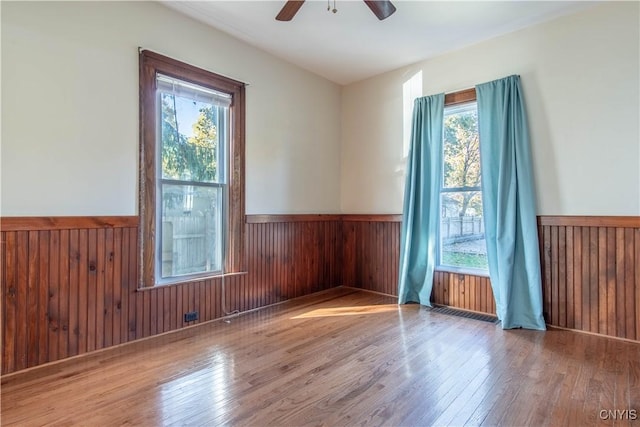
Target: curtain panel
(420, 215)
(508, 198)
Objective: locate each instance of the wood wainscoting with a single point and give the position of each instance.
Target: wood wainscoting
(465, 291)
(590, 270)
(69, 284)
(371, 250)
(591, 274)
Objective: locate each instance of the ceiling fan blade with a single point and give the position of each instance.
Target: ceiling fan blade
(382, 9)
(289, 10)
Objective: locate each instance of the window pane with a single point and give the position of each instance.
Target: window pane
(192, 138)
(192, 230)
(461, 147)
(462, 240)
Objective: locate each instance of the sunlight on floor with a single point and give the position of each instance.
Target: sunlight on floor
(348, 311)
(208, 388)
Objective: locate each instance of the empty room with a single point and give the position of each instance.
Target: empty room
(337, 213)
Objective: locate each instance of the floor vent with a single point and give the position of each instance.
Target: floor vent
(462, 313)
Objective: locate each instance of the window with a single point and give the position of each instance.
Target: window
(191, 171)
(461, 235)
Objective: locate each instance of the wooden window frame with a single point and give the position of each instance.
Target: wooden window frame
(460, 97)
(151, 64)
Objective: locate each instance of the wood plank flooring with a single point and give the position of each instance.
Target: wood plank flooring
(340, 357)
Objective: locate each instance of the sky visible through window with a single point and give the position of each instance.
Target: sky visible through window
(187, 112)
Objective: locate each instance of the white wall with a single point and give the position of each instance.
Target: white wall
(70, 110)
(580, 77)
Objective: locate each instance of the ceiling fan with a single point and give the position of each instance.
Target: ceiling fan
(382, 9)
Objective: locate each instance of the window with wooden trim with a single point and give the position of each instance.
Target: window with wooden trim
(462, 245)
(191, 172)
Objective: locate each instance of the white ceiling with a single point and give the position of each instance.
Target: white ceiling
(353, 44)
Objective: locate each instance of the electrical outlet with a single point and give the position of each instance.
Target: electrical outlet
(191, 316)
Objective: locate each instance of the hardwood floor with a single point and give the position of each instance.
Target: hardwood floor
(340, 357)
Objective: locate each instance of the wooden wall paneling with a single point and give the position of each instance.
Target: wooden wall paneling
(255, 268)
(544, 237)
(21, 298)
(610, 273)
(144, 303)
(286, 261)
(562, 277)
(586, 279)
(464, 291)
(92, 290)
(114, 279)
(568, 279)
(631, 298)
(298, 260)
(67, 290)
(473, 288)
(256, 271)
(359, 279)
(53, 309)
(601, 304)
(455, 285)
(554, 276)
(577, 277)
(106, 271)
(330, 265)
(74, 309)
(387, 256)
(272, 290)
(83, 279)
(186, 306)
(274, 261)
(396, 244)
(217, 292)
(596, 274)
(618, 284)
(293, 239)
(438, 287)
(308, 252)
(636, 251)
(43, 297)
(262, 241)
(156, 313)
(98, 268)
(32, 299)
(9, 284)
(200, 301)
(262, 299)
(593, 280)
(211, 298)
(348, 258)
(63, 336)
(161, 307)
(204, 304)
(194, 303)
(130, 279)
(209, 295)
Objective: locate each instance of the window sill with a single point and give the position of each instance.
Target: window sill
(187, 280)
(462, 270)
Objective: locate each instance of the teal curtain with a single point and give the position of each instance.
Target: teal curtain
(420, 215)
(508, 198)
